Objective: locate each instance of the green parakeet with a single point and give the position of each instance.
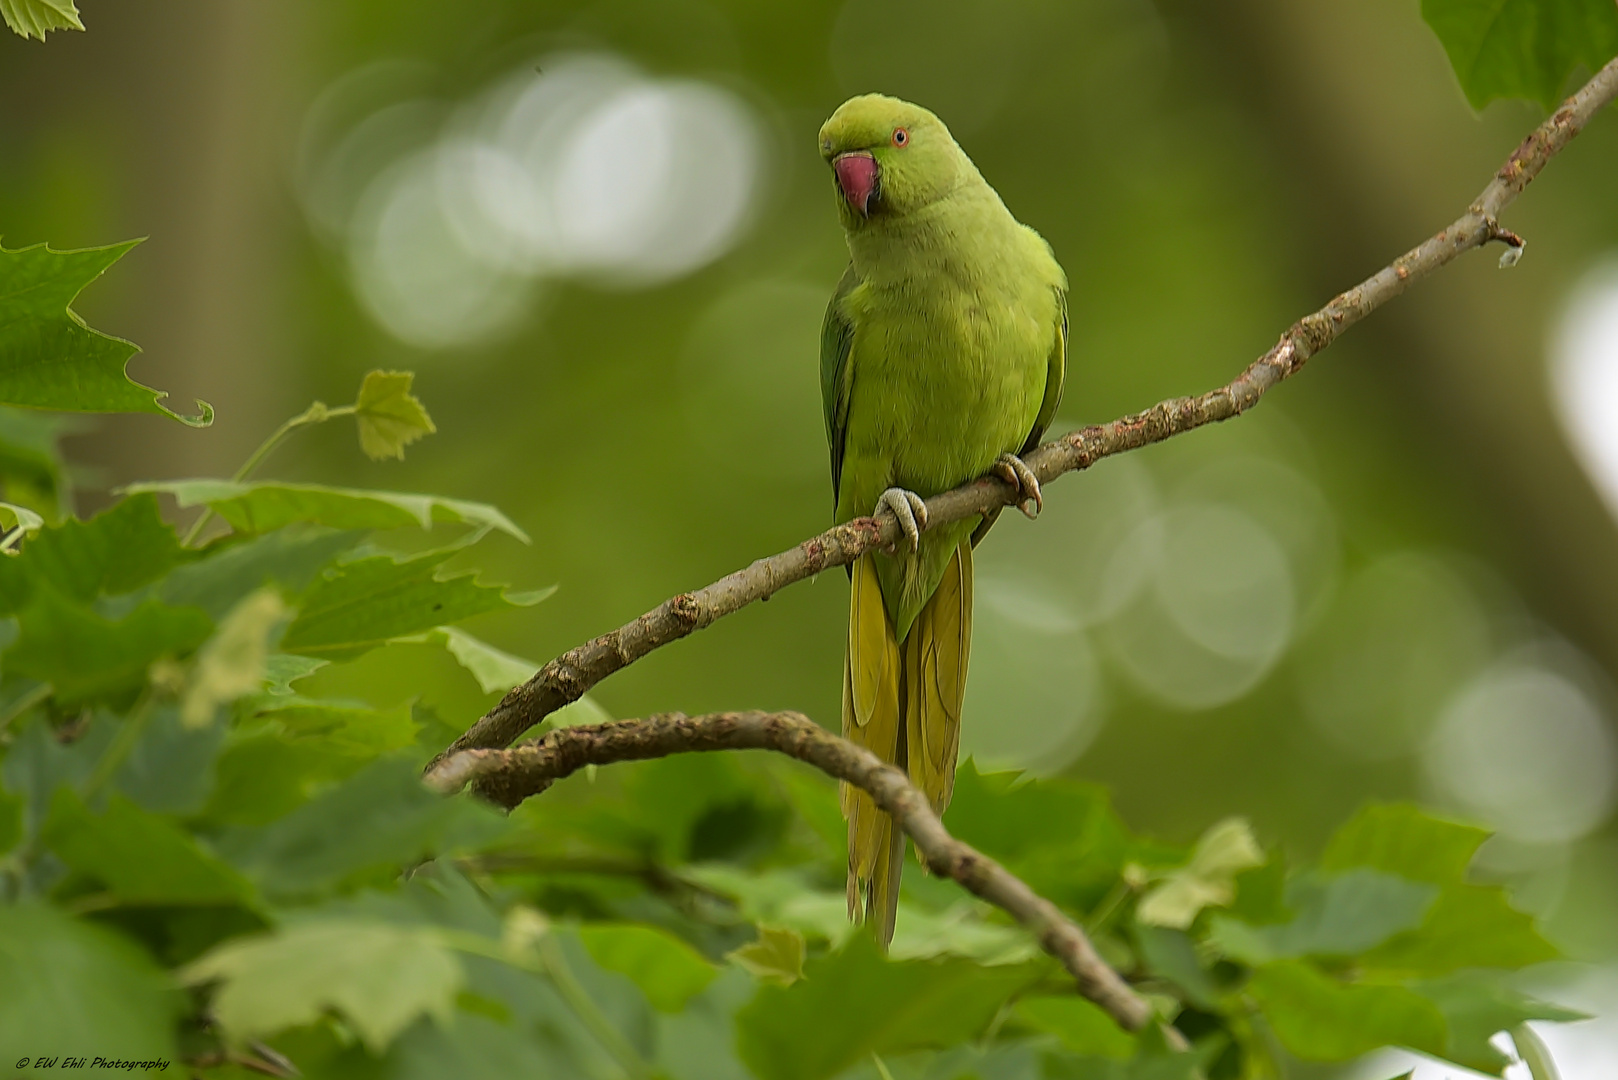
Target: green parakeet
(941, 359)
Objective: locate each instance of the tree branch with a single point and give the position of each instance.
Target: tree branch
(510, 776)
(571, 675)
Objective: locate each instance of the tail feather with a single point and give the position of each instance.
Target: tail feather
(871, 719)
(903, 703)
(935, 661)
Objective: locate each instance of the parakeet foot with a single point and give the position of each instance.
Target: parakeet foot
(1011, 469)
(909, 509)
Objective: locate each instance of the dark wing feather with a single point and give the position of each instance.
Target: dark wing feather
(836, 341)
(1055, 375)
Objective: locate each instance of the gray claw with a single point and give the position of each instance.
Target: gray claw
(910, 511)
(1011, 469)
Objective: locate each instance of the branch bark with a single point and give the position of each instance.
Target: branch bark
(571, 675)
(510, 776)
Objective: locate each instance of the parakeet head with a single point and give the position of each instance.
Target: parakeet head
(888, 158)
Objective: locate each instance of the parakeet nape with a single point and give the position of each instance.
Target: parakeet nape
(941, 359)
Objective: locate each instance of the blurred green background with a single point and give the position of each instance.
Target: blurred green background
(602, 237)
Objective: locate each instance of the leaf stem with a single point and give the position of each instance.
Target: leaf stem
(589, 1013)
(1109, 905)
(24, 703)
(546, 959)
(317, 413)
(122, 743)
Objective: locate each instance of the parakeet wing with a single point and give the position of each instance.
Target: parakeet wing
(1055, 375)
(836, 342)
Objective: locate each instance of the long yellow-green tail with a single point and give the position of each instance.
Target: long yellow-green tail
(901, 701)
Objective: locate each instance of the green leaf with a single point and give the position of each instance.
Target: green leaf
(1082, 1026)
(1062, 838)
(495, 671)
(31, 468)
(1404, 840)
(854, 1003)
(1342, 915)
(958, 931)
(86, 657)
(36, 764)
(344, 726)
(264, 775)
(369, 602)
(48, 358)
(1208, 880)
(699, 1043)
(67, 986)
(781, 898)
(475, 1047)
(264, 506)
(667, 970)
(381, 819)
(231, 664)
(170, 769)
(390, 416)
(1478, 1005)
(379, 976)
(33, 18)
(1172, 955)
(230, 569)
(1522, 48)
(1321, 1019)
(775, 956)
(1467, 926)
(1261, 893)
(140, 857)
(281, 670)
(115, 552)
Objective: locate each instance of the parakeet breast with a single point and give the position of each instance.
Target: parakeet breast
(955, 316)
(955, 327)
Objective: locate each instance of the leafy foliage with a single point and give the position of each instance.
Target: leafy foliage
(378, 976)
(1522, 48)
(48, 358)
(267, 506)
(272, 852)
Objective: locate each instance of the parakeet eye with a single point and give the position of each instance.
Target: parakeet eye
(900, 136)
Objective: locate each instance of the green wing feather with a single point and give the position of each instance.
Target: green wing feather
(836, 342)
(1055, 376)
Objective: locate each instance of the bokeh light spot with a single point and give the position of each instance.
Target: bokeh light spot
(1584, 376)
(1403, 634)
(1033, 693)
(1527, 749)
(586, 168)
(1218, 613)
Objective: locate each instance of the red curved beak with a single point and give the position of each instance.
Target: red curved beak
(857, 175)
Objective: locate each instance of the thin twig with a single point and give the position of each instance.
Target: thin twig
(569, 676)
(318, 413)
(510, 776)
